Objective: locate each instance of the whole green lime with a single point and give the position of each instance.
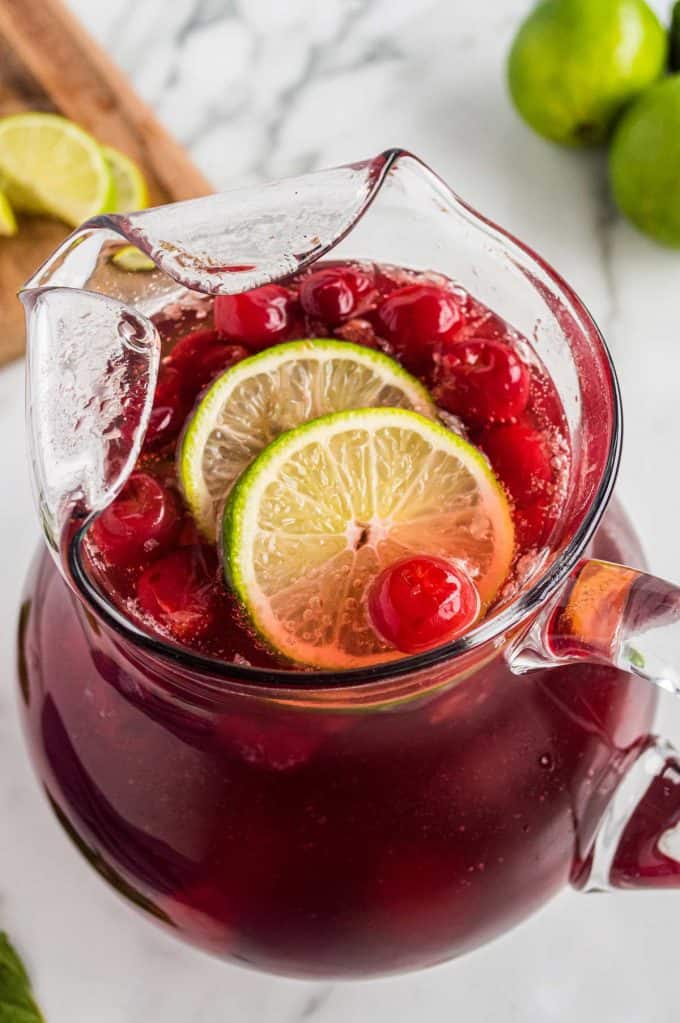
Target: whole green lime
(575, 64)
(644, 162)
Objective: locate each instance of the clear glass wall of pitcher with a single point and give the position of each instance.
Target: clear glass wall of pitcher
(357, 822)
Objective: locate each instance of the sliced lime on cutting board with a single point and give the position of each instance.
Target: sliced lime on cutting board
(8, 222)
(49, 165)
(274, 391)
(130, 191)
(325, 507)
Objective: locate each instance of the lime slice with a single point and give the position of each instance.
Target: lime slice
(130, 188)
(130, 258)
(261, 397)
(49, 165)
(328, 505)
(131, 193)
(8, 222)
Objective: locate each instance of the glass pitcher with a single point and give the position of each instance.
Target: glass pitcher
(366, 821)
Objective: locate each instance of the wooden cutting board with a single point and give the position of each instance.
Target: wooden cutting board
(49, 62)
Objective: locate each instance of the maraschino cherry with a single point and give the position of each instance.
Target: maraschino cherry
(178, 591)
(140, 521)
(482, 382)
(256, 319)
(336, 293)
(417, 320)
(200, 357)
(520, 456)
(420, 602)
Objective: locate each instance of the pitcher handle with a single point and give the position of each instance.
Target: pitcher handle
(614, 615)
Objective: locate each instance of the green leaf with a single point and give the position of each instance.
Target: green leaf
(16, 1000)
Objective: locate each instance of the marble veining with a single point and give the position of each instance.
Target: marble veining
(265, 88)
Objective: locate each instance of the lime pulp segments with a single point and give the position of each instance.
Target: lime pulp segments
(325, 507)
(274, 391)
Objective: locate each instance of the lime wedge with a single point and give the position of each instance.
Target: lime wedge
(50, 165)
(130, 193)
(130, 258)
(276, 390)
(325, 507)
(8, 222)
(130, 188)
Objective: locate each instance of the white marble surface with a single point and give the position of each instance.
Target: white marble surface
(259, 88)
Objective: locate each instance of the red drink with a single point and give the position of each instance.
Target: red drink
(145, 549)
(338, 830)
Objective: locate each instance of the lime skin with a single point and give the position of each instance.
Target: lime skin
(644, 162)
(576, 64)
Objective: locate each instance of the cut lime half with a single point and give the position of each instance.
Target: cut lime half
(8, 222)
(50, 165)
(325, 507)
(267, 394)
(132, 259)
(130, 191)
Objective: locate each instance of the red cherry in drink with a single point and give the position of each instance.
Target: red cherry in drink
(520, 456)
(200, 357)
(422, 601)
(143, 518)
(179, 591)
(484, 324)
(256, 319)
(417, 320)
(169, 410)
(387, 281)
(336, 293)
(482, 382)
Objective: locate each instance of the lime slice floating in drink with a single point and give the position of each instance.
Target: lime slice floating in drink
(51, 166)
(130, 191)
(8, 222)
(325, 507)
(276, 390)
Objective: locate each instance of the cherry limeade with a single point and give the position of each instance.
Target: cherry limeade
(346, 836)
(486, 380)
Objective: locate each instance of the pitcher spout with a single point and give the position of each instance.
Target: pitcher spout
(93, 349)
